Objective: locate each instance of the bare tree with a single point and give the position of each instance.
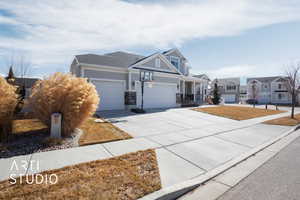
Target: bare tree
(292, 83)
(20, 65)
(254, 92)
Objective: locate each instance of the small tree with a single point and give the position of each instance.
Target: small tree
(216, 94)
(254, 92)
(292, 83)
(8, 102)
(75, 98)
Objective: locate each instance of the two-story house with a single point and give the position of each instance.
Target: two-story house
(229, 89)
(118, 79)
(268, 90)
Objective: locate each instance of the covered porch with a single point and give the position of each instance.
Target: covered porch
(192, 91)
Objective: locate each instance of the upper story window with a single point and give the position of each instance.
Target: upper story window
(157, 63)
(279, 86)
(231, 87)
(175, 61)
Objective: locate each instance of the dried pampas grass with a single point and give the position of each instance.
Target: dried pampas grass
(73, 97)
(8, 100)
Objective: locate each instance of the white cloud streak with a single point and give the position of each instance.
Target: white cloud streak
(56, 30)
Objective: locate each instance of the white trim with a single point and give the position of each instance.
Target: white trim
(157, 62)
(104, 68)
(162, 57)
(158, 83)
(277, 79)
(178, 59)
(81, 71)
(194, 85)
(129, 81)
(109, 80)
(159, 74)
(77, 62)
(178, 52)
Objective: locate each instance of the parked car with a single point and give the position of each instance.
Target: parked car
(252, 101)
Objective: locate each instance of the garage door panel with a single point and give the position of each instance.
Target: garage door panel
(229, 98)
(157, 96)
(111, 94)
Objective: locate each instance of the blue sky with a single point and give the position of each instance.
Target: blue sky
(221, 38)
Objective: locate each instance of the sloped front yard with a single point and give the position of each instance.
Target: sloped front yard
(31, 135)
(238, 112)
(285, 121)
(94, 133)
(129, 176)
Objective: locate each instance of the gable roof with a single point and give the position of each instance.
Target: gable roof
(203, 76)
(155, 55)
(173, 50)
(263, 79)
(125, 59)
(115, 59)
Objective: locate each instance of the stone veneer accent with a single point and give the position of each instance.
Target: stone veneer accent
(130, 98)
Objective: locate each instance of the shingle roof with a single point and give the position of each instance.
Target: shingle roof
(263, 79)
(201, 76)
(27, 82)
(115, 59)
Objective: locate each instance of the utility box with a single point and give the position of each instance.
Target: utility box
(56, 125)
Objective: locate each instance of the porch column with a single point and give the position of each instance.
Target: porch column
(129, 81)
(194, 87)
(183, 91)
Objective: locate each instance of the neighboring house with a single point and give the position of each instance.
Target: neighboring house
(229, 88)
(243, 93)
(202, 89)
(117, 79)
(27, 83)
(268, 90)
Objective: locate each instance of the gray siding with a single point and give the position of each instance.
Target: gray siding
(135, 77)
(106, 75)
(181, 61)
(163, 65)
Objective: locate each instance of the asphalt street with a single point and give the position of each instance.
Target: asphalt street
(277, 179)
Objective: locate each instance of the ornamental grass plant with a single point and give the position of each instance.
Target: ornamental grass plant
(75, 98)
(8, 102)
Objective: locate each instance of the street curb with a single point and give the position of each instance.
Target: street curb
(177, 190)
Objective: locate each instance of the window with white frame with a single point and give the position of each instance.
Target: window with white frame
(157, 63)
(175, 61)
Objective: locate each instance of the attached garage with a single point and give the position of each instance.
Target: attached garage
(111, 94)
(157, 95)
(229, 98)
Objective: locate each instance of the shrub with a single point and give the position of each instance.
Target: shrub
(73, 97)
(8, 102)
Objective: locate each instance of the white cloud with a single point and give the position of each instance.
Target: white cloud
(56, 30)
(245, 71)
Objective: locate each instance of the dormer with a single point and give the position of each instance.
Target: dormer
(177, 60)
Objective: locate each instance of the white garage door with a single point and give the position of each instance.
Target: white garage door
(229, 98)
(111, 94)
(160, 95)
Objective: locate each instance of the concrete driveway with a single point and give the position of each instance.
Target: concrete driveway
(161, 122)
(189, 143)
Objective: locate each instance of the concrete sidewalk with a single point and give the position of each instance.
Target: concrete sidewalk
(278, 179)
(187, 144)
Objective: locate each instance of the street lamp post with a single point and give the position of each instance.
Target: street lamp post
(145, 76)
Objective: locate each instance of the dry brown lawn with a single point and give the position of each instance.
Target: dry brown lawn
(129, 176)
(93, 132)
(28, 125)
(237, 112)
(100, 132)
(285, 121)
